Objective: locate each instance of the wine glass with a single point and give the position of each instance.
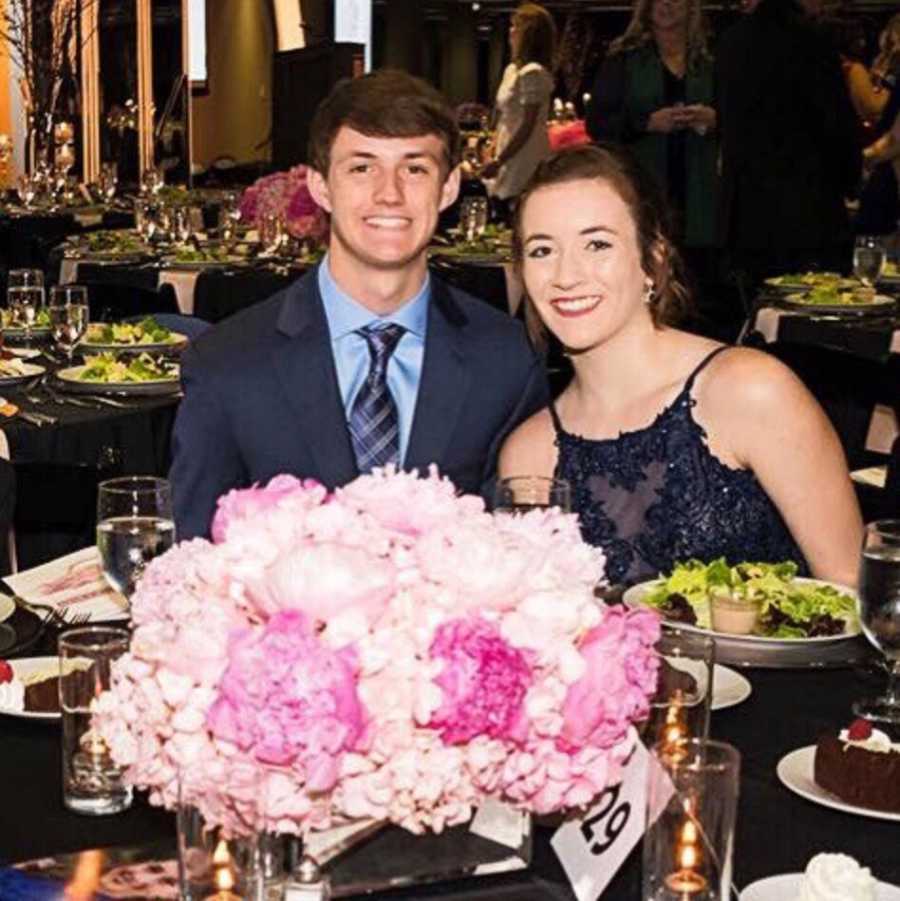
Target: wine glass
(879, 612)
(519, 494)
(868, 259)
(25, 302)
(25, 278)
(27, 190)
(68, 309)
(108, 181)
(134, 525)
(152, 182)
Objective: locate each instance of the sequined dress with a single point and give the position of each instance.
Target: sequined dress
(656, 496)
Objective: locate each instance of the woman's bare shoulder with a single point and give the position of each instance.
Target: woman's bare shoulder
(742, 376)
(530, 448)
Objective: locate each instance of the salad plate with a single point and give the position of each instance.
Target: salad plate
(835, 301)
(773, 586)
(804, 281)
(730, 688)
(787, 887)
(106, 374)
(795, 770)
(16, 371)
(146, 335)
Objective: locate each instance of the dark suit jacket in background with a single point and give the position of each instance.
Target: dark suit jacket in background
(262, 398)
(790, 144)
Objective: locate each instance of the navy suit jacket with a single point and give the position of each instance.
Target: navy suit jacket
(262, 398)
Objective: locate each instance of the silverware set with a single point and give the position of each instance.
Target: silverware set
(51, 616)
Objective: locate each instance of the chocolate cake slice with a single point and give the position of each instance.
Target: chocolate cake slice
(42, 696)
(858, 776)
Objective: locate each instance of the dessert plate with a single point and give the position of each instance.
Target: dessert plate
(795, 770)
(729, 688)
(787, 887)
(7, 607)
(24, 667)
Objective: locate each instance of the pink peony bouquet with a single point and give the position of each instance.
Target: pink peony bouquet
(388, 651)
(285, 194)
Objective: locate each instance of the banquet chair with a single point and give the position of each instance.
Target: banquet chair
(56, 507)
(113, 303)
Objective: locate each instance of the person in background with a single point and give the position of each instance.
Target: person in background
(866, 94)
(523, 103)
(654, 94)
(789, 145)
(675, 446)
(368, 360)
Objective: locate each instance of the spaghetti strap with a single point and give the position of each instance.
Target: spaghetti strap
(557, 425)
(689, 383)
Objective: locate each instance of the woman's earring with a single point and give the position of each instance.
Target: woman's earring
(649, 292)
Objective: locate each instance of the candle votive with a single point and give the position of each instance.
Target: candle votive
(680, 706)
(692, 791)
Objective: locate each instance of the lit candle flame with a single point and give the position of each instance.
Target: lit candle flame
(224, 879)
(221, 857)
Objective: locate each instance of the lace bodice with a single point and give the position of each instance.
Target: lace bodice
(656, 496)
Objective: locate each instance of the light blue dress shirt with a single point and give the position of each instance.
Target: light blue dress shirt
(351, 351)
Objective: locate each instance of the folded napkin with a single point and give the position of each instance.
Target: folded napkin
(88, 218)
(883, 429)
(876, 476)
(72, 585)
(68, 271)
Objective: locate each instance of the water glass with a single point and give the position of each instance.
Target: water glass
(182, 227)
(92, 783)
(868, 259)
(879, 612)
(519, 494)
(271, 232)
(691, 811)
(25, 278)
(134, 525)
(27, 190)
(108, 181)
(68, 309)
(152, 182)
(24, 305)
(680, 707)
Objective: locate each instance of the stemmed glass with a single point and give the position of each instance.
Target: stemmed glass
(25, 302)
(519, 494)
(108, 181)
(27, 190)
(868, 259)
(152, 182)
(68, 310)
(879, 612)
(134, 524)
(25, 278)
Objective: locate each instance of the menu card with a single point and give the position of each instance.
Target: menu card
(73, 585)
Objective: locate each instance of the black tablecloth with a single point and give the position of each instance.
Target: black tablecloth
(85, 443)
(777, 830)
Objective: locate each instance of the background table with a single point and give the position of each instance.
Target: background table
(777, 830)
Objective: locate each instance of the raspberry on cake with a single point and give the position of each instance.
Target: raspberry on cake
(861, 766)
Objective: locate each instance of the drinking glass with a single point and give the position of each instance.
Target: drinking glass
(92, 783)
(879, 612)
(152, 182)
(680, 707)
(691, 812)
(24, 305)
(134, 525)
(25, 278)
(868, 259)
(519, 494)
(68, 309)
(108, 181)
(182, 226)
(479, 214)
(271, 232)
(27, 190)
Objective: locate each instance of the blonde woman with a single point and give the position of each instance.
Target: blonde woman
(655, 93)
(523, 102)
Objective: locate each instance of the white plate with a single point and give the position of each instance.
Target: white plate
(787, 888)
(795, 770)
(729, 688)
(7, 607)
(879, 303)
(71, 380)
(24, 667)
(178, 340)
(28, 371)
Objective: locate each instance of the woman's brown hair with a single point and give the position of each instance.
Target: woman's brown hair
(660, 259)
(537, 35)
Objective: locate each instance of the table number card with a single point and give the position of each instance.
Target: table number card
(593, 848)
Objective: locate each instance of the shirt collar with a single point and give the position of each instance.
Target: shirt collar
(346, 315)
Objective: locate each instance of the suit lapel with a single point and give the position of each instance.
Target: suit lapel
(444, 384)
(305, 366)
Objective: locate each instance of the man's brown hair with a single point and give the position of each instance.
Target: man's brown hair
(388, 103)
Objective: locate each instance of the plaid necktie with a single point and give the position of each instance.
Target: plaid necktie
(374, 429)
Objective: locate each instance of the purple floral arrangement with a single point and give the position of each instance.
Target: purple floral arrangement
(286, 194)
(390, 650)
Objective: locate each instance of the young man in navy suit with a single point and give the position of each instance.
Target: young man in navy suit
(368, 359)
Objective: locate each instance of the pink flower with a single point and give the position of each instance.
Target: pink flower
(285, 194)
(484, 681)
(289, 700)
(241, 503)
(620, 675)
